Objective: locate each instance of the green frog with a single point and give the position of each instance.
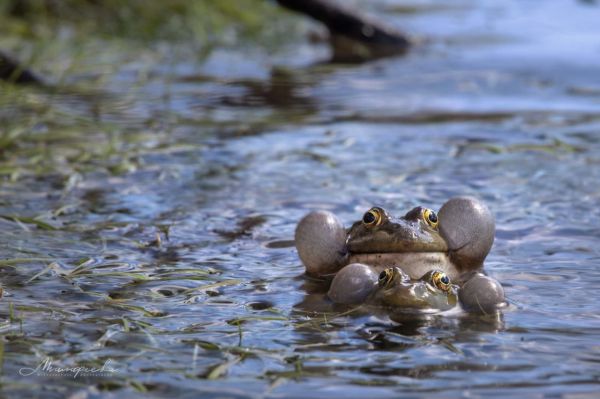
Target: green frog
(392, 288)
(455, 241)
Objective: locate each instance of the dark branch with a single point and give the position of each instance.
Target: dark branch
(12, 71)
(378, 38)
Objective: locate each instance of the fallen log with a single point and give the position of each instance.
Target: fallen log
(353, 35)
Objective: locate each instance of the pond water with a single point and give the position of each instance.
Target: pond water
(149, 224)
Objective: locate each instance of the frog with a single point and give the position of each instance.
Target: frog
(456, 240)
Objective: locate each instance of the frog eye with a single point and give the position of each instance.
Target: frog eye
(441, 280)
(372, 217)
(430, 217)
(385, 277)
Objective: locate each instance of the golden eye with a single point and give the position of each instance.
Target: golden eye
(430, 217)
(385, 277)
(372, 217)
(441, 280)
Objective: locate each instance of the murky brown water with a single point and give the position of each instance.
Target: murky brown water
(165, 247)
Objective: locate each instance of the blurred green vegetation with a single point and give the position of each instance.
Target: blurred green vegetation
(100, 55)
(62, 37)
(200, 22)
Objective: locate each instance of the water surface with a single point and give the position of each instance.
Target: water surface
(150, 222)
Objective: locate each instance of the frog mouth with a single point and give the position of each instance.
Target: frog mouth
(395, 256)
(383, 242)
(414, 264)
